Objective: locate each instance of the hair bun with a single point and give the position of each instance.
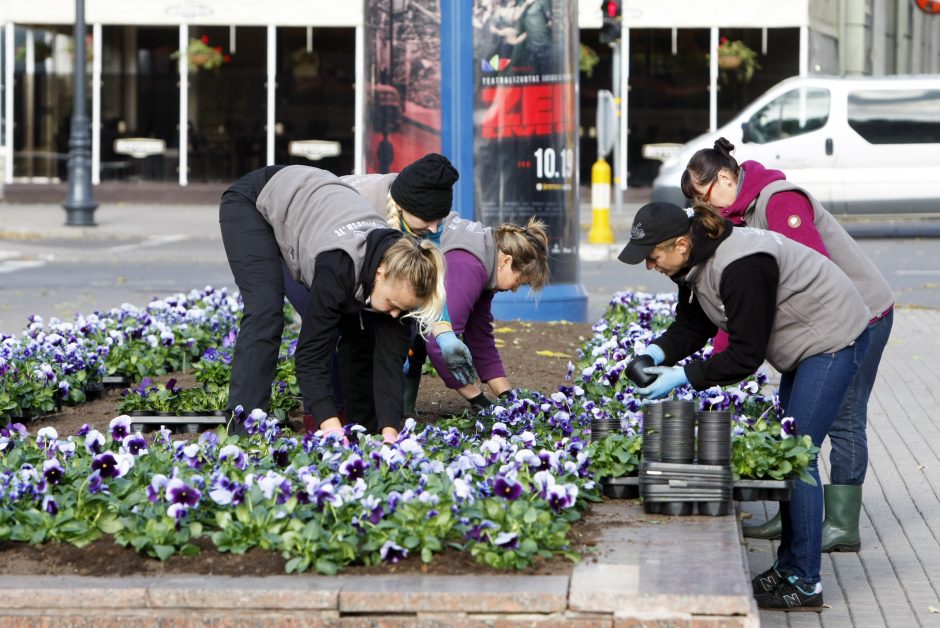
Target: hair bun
(723, 146)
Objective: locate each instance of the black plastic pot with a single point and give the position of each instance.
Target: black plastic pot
(652, 431)
(678, 433)
(635, 371)
(762, 490)
(626, 487)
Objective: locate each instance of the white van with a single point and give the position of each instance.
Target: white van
(862, 145)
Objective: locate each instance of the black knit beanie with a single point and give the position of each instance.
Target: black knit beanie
(425, 188)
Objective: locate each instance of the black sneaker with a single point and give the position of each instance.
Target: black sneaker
(792, 595)
(767, 581)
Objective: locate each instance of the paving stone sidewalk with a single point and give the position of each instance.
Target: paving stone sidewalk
(894, 580)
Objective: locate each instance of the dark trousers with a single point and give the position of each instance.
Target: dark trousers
(255, 260)
(297, 294)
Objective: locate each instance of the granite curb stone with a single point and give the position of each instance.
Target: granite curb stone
(480, 594)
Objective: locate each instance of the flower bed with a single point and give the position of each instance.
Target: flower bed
(503, 486)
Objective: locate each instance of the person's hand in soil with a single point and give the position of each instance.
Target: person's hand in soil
(457, 356)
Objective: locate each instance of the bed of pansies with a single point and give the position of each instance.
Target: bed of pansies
(504, 486)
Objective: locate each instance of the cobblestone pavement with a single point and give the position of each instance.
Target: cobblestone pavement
(893, 580)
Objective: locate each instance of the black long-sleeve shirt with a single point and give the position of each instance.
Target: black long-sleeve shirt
(748, 291)
(332, 301)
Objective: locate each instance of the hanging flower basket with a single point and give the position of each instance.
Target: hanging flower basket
(737, 58)
(729, 62)
(202, 56)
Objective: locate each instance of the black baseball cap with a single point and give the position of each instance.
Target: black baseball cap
(654, 223)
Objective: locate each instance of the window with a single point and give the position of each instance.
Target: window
(896, 116)
(797, 112)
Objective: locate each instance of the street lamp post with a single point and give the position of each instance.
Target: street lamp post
(79, 204)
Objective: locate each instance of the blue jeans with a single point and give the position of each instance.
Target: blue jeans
(812, 394)
(848, 460)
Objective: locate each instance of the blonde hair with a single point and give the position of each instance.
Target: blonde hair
(528, 247)
(418, 264)
(392, 212)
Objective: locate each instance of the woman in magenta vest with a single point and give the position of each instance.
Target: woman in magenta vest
(752, 195)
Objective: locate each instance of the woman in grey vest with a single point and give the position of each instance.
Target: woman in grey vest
(361, 276)
(749, 194)
(414, 201)
(777, 300)
(482, 261)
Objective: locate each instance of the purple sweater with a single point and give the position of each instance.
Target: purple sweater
(469, 302)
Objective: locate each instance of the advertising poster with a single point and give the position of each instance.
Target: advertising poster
(526, 120)
(403, 90)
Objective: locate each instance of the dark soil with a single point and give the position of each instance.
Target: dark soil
(519, 342)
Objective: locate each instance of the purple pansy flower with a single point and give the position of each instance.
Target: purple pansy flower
(181, 498)
(506, 540)
(353, 467)
(120, 427)
(95, 484)
(157, 483)
(52, 471)
(507, 488)
(134, 444)
(392, 552)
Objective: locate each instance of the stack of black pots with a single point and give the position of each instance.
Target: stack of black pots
(601, 427)
(673, 481)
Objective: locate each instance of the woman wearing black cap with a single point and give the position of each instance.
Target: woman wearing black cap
(360, 274)
(414, 201)
(777, 300)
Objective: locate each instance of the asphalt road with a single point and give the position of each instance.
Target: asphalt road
(62, 277)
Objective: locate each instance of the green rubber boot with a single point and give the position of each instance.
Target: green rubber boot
(411, 396)
(840, 527)
(769, 530)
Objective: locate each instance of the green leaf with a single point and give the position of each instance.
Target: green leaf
(110, 524)
(326, 567)
(164, 551)
(531, 515)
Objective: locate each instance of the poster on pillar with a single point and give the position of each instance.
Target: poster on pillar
(526, 120)
(403, 82)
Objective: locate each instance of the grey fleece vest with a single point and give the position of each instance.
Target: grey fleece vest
(474, 238)
(818, 308)
(373, 187)
(843, 250)
(312, 211)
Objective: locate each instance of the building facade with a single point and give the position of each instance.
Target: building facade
(187, 91)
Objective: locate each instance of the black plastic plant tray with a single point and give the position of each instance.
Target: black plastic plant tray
(627, 487)
(191, 422)
(116, 380)
(715, 509)
(677, 468)
(681, 495)
(763, 490)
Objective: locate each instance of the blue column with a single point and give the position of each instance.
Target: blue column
(457, 98)
(558, 301)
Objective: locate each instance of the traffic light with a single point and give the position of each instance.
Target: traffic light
(610, 30)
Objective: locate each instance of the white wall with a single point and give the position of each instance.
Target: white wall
(205, 12)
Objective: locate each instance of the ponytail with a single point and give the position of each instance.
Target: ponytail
(420, 265)
(392, 212)
(705, 165)
(528, 247)
(710, 220)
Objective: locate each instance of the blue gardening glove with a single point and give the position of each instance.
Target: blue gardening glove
(655, 352)
(457, 355)
(669, 377)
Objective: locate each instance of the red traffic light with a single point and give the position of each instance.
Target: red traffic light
(611, 8)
